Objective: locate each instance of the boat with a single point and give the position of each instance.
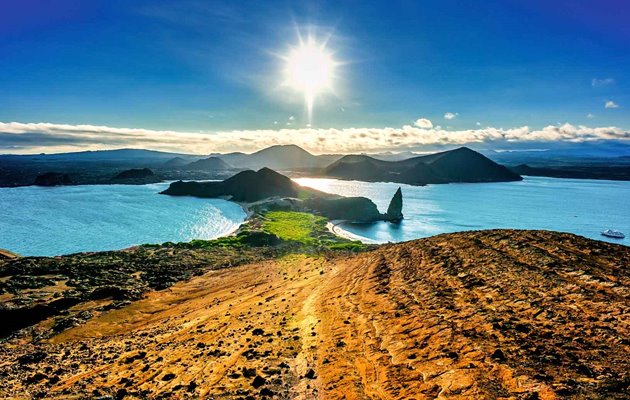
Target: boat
(613, 234)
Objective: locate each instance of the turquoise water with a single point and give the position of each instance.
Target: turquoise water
(583, 207)
(62, 220)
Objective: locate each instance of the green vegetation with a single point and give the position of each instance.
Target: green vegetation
(294, 226)
(290, 231)
(306, 229)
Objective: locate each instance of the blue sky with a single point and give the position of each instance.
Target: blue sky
(210, 66)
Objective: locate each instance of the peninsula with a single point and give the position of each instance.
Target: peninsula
(266, 189)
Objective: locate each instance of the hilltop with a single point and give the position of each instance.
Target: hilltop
(488, 314)
(210, 163)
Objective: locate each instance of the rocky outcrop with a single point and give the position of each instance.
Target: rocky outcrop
(135, 173)
(357, 209)
(52, 179)
(394, 211)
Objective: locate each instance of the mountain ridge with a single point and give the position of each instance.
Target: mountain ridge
(458, 165)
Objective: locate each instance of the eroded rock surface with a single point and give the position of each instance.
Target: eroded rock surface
(482, 315)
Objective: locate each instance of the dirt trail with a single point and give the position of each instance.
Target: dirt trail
(487, 315)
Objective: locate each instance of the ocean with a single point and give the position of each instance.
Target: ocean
(46, 221)
(583, 207)
(60, 220)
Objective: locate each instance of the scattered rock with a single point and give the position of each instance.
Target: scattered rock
(258, 381)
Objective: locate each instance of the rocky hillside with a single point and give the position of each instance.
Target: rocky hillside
(459, 165)
(246, 186)
(484, 315)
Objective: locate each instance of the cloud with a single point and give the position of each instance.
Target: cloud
(611, 104)
(602, 82)
(16, 137)
(449, 115)
(590, 116)
(423, 123)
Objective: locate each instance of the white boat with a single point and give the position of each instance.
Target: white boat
(613, 234)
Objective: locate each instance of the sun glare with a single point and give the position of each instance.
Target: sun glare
(309, 70)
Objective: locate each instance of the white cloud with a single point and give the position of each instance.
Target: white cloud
(590, 116)
(449, 115)
(602, 82)
(423, 123)
(611, 104)
(291, 118)
(18, 137)
(478, 123)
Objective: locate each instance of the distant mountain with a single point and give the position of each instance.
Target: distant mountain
(594, 171)
(99, 155)
(208, 164)
(546, 154)
(176, 162)
(459, 165)
(280, 157)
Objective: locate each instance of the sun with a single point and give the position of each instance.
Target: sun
(309, 69)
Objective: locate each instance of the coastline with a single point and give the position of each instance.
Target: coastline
(333, 227)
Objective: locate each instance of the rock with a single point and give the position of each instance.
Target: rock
(31, 358)
(121, 393)
(52, 179)
(498, 355)
(249, 372)
(168, 377)
(394, 211)
(310, 374)
(38, 376)
(258, 381)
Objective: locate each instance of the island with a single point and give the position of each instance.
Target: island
(459, 165)
(267, 189)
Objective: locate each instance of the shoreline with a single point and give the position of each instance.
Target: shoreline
(333, 227)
